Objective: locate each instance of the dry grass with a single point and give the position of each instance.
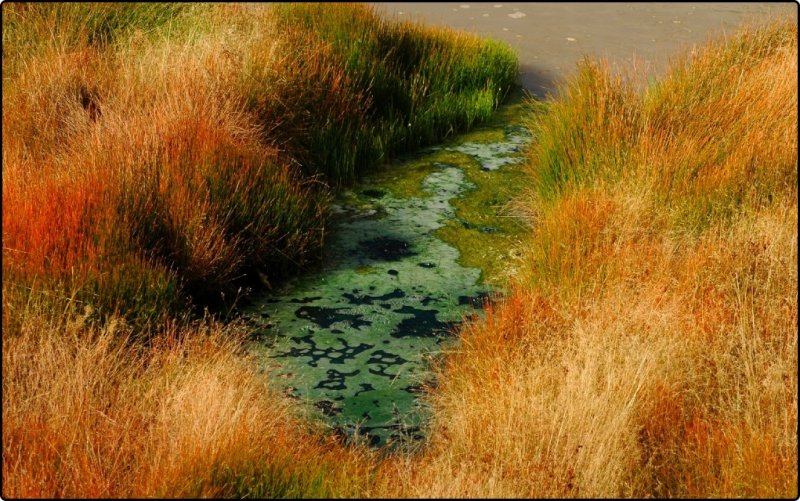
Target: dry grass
(154, 156)
(86, 413)
(185, 150)
(650, 345)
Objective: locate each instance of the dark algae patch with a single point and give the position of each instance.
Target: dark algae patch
(413, 251)
(387, 249)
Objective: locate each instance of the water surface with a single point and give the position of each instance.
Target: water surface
(354, 339)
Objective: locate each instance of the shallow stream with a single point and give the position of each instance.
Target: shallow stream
(414, 250)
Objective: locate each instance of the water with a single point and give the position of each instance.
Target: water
(354, 340)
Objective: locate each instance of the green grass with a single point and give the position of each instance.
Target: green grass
(210, 138)
(417, 85)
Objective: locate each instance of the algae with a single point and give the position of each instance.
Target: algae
(415, 249)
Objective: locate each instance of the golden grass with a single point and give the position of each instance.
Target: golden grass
(188, 150)
(154, 152)
(86, 413)
(649, 347)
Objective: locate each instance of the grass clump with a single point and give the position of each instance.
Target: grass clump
(89, 413)
(414, 85)
(649, 346)
(158, 156)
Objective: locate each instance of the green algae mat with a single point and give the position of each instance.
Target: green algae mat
(414, 250)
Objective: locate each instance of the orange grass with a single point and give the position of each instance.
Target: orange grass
(649, 346)
(185, 150)
(88, 414)
(155, 152)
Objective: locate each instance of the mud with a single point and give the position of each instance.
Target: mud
(552, 36)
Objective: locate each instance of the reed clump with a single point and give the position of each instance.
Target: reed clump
(159, 156)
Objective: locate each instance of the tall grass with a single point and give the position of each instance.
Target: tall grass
(413, 85)
(649, 347)
(157, 156)
(89, 413)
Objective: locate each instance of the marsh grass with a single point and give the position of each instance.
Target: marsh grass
(412, 85)
(649, 346)
(157, 156)
(160, 157)
(89, 412)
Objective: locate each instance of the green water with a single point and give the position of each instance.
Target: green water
(413, 250)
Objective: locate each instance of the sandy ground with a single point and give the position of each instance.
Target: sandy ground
(552, 37)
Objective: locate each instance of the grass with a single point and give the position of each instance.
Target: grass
(411, 85)
(88, 412)
(162, 158)
(241, 118)
(649, 346)
(152, 155)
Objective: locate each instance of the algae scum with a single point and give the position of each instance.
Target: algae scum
(354, 339)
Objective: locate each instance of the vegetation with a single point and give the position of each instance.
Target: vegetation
(155, 156)
(152, 155)
(649, 347)
(88, 413)
(239, 116)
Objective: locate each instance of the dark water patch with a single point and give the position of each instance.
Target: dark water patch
(336, 379)
(365, 387)
(387, 249)
(374, 193)
(385, 358)
(423, 323)
(325, 317)
(316, 354)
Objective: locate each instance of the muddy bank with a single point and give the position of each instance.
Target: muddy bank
(552, 37)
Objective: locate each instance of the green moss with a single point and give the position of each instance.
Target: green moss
(392, 286)
(404, 179)
(364, 270)
(483, 136)
(492, 254)
(485, 233)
